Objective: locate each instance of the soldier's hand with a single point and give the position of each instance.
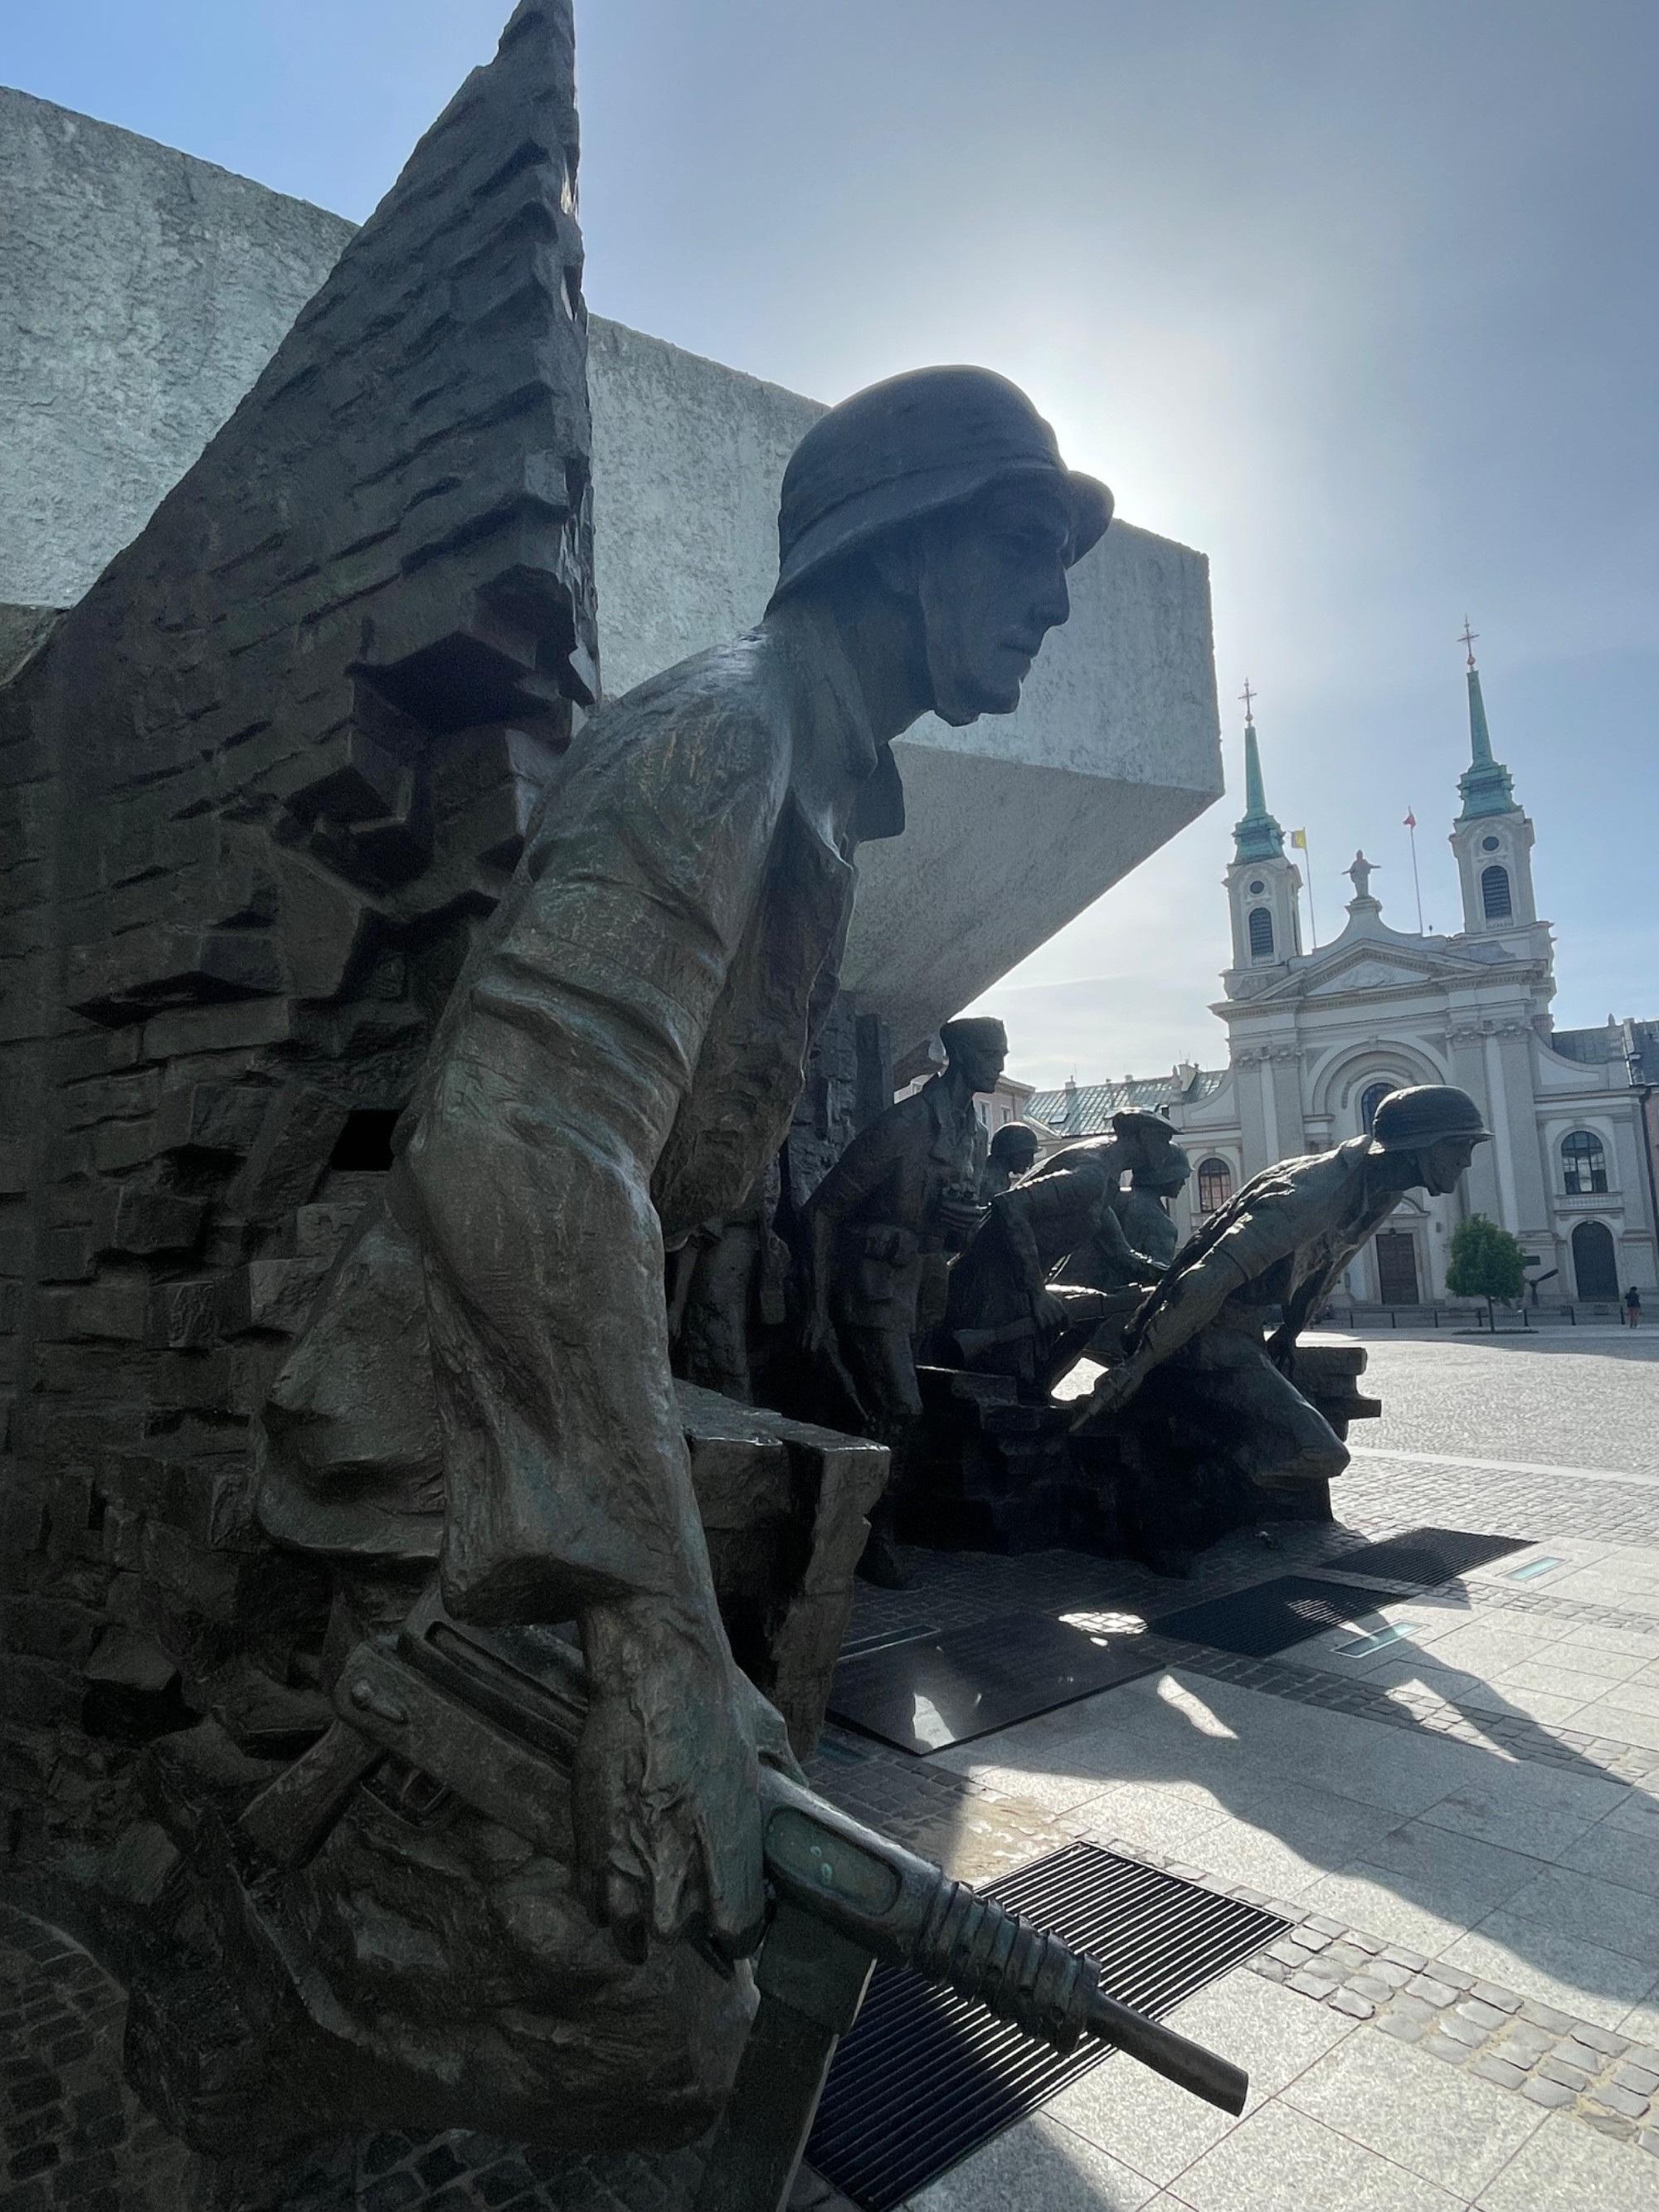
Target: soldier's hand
(1110, 1394)
(1047, 1311)
(820, 1334)
(665, 1790)
(960, 1217)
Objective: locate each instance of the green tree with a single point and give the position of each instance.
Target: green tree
(1487, 1262)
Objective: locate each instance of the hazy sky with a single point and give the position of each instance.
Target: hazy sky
(1358, 296)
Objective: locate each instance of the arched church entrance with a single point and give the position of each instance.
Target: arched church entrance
(1594, 1268)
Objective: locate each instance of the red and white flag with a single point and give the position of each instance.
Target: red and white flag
(1411, 819)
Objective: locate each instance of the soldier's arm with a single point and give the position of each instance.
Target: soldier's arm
(855, 1178)
(1014, 1209)
(1115, 1238)
(1247, 1248)
(1189, 1303)
(551, 1092)
(857, 1175)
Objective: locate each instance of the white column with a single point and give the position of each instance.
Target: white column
(1269, 1109)
(1497, 1105)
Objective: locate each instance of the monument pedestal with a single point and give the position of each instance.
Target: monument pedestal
(992, 1470)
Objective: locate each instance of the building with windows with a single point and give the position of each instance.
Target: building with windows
(1317, 1038)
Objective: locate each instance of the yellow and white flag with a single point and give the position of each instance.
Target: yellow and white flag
(1299, 839)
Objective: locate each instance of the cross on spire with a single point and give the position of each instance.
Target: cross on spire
(1467, 639)
(1248, 696)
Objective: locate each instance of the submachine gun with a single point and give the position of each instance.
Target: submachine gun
(494, 1716)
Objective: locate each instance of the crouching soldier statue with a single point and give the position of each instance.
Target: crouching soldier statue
(1015, 1307)
(484, 1399)
(1198, 1363)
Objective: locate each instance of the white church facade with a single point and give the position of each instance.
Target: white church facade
(1316, 1038)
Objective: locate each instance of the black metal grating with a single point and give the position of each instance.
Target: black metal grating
(933, 1690)
(1428, 1555)
(1271, 1616)
(926, 2077)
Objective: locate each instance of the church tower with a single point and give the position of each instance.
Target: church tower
(1261, 883)
(1491, 837)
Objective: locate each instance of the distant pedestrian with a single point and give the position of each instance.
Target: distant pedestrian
(1634, 1307)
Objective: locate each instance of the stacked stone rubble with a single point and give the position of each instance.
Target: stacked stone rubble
(256, 791)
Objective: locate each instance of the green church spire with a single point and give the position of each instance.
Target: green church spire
(1485, 784)
(1256, 835)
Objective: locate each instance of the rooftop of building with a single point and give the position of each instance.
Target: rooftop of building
(1086, 1109)
(1635, 1042)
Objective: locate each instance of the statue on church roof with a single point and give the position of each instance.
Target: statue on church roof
(1360, 875)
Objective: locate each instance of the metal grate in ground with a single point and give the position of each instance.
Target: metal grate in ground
(1272, 1616)
(1430, 1555)
(925, 2077)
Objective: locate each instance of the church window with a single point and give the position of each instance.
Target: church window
(1489, 844)
(1370, 1099)
(1495, 894)
(1261, 934)
(1586, 1163)
(1257, 888)
(1215, 1185)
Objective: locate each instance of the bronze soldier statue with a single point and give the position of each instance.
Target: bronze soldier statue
(1135, 1228)
(1005, 1312)
(727, 1286)
(1268, 1258)
(879, 1226)
(1012, 1154)
(486, 1388)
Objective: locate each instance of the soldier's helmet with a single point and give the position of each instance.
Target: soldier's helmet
(1014, 1140)
(1407, 1121)
(911, 446)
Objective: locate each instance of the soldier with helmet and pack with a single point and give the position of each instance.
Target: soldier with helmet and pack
(484, 1394)
(1274, 1249)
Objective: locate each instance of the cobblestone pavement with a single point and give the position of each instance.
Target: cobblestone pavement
(76, 2140)
(75, 2135)
(1562, 1396)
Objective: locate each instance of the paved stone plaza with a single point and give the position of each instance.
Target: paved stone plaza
(1463, 1823)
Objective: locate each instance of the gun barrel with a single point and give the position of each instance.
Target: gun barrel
(1206, 2073)
(499, 1725)
(909, 1913)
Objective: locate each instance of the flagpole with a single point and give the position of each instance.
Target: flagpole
(1299, 842)
(1411, 825)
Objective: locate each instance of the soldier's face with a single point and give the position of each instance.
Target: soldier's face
(982, 1065)
(992, 584)
(1441, 1165)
